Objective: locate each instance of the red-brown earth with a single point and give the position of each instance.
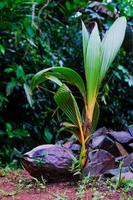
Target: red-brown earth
(18, 185)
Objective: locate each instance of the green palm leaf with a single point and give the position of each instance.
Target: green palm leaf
(60, 73)
(69, 127)
(67, 103)
(85, 38)
(99, 56)
(92, 68)
(111, 44)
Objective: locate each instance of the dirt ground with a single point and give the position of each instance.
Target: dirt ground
(18, 185)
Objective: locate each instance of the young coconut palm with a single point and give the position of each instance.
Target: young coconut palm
(98, 56)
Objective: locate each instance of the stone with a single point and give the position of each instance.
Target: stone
(59, 142)
(99, 161)
(76, 148)
(97, 141)
(122, 149)
(124, 176)
(50, 161)
(127, 176)
(127, 160)
(106, 143)
(116, 171)
(100, 132)
(131, 146)
(130, 130)
(121, 136)
(72, 140)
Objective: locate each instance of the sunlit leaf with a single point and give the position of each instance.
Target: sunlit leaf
(28, 94)
(20, 72)
(85, 38)
(92, 68)
(2, 49)
(111, 44)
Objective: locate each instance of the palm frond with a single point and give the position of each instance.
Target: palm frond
(92, 68)
(99, 56)
(111, 44)
(67, 103)
(60, 73)
(85, 40)
(71, 129)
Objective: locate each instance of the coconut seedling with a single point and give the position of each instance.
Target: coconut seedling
(98, 55)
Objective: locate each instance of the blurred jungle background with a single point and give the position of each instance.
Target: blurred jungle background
(36, 34)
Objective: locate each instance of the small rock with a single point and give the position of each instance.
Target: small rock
(59, 142)
(76, 148)
(97, 141)
(99, 162)
(124, 176)
(127, 176)
(130, 129)
(72, 140)
(101, 131)
(131, 145)
(115, 172)
(106, 143)
(127, 160)
(121, 136)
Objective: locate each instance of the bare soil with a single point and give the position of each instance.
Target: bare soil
(19, 185)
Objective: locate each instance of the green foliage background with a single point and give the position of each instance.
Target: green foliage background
(38, 34)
